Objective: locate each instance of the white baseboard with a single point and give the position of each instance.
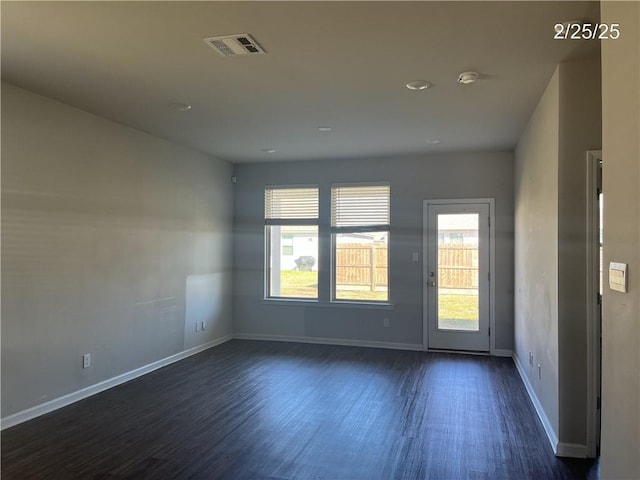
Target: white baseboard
(499, 352)
(56, 403)
(551, 434)
(573, 450)
(330, 341)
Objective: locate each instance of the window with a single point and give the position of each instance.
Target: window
(360, 219)
(359, 235)
(291, 233)
(287, 245)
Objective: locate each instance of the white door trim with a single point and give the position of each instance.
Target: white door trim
(593, 322)
(492, 266)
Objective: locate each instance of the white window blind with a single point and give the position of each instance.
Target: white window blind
(360, 206)
(290, 203)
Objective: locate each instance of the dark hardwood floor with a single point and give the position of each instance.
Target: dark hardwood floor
(270, 410)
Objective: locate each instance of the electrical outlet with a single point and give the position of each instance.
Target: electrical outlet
(539, 372)
(385, 322)
(86, 360)
(531, 359)
(203, 325)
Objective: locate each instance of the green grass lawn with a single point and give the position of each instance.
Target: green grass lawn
(460, 311)
(305, 285)
(458, 307)
(298, 284)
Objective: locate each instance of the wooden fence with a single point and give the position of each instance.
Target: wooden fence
(366, 265)
(458, 266)
(362, 264)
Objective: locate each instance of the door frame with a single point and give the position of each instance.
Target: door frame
(594, 327)
(492, 266)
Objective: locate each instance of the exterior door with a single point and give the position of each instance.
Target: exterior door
(457, 276)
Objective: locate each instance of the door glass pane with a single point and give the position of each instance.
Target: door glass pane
(458, 240)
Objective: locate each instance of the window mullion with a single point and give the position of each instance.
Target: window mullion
(324, 245)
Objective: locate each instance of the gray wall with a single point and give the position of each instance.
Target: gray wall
(621, 312)
(412, 181)
(580, 130)
(550, 221)
(536, 248)
(111, 238)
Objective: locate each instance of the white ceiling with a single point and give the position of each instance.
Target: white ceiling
(338, 64)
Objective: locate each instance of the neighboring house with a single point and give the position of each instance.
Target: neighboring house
(458, 229)
(366, 238)
(297, 242)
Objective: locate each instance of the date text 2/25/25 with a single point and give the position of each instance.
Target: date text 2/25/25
(586, 31)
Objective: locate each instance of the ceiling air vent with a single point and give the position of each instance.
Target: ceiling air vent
(230, 45)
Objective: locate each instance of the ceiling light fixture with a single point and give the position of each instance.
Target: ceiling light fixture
(180, 107)
(324, 129)
(433, 142)
(269, 150)
(418, 85)
(468, 77)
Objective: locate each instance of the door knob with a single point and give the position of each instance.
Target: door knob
(431, 284)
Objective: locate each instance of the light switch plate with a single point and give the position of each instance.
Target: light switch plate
(618, 277)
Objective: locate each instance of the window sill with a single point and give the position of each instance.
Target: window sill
(317, 303)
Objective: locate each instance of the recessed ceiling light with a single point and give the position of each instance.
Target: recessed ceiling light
(433, 142)
(418, 85)
(325, 129)
(468, 77)
(269, 150)
(180, 107)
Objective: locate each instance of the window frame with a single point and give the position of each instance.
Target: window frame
(335, 230)
(282, 222)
